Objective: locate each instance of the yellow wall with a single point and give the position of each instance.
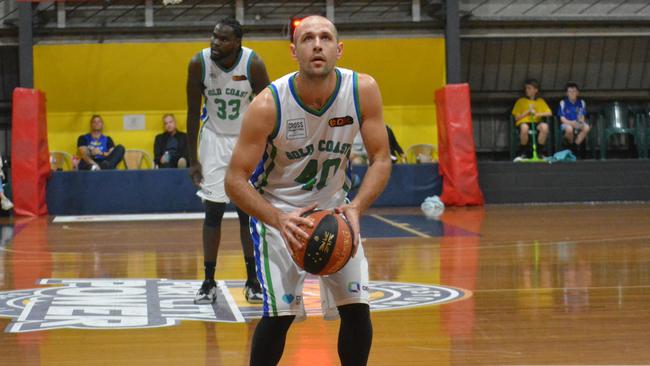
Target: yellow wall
(149, 78)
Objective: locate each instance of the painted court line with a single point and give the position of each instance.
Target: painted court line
(401, 226)
(231, 302)
(137, 217)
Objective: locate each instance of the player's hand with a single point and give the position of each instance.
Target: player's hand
(195, 174)
(95, 151)
(352, 214)
(290, 227)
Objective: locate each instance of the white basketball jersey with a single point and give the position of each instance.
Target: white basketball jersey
(228, 92)
(307, 157)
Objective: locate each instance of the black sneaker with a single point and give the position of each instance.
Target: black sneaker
(207, 294)
(253, 293)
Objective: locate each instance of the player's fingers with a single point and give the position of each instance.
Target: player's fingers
(303, 221)
(293, 242)
(356, 237)
(298, 232)
(306, 209)
(355, 244)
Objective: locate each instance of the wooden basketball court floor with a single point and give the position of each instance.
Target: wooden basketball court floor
(500, 285)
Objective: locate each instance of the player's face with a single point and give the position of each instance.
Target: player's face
(97, 124)
(223, 43)
(531, 91)
(170, 124)
(315, 47)
(572, 93)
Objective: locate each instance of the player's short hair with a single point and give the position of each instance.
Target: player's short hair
(234, 24)
(95, 116)
(571, 84)
(532, 82)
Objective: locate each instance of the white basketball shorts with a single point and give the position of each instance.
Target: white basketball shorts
(282, 280)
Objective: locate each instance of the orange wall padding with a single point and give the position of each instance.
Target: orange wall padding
(457, 155)
(30, 158)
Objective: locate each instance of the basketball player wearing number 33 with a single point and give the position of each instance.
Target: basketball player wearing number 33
(225, 76)
(303, 126)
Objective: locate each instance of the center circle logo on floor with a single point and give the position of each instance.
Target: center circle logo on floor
(150, 303)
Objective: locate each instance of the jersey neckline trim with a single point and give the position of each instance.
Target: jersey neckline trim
(330, 101)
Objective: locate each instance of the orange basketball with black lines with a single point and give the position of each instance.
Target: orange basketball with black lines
(329, 246)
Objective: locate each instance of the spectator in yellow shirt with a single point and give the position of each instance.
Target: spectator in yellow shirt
(528, 110)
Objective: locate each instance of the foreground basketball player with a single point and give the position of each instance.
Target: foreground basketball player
(304, 125)
(226, 75)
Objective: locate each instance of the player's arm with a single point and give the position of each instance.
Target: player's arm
(259, 76)
(194, 90)
(375, 139)
(258, 124)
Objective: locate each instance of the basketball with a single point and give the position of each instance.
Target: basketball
(329, 246)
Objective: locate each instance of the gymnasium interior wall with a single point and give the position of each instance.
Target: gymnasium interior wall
(116, 79)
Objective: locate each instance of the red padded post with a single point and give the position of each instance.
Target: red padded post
(30, 157)
(457, 156)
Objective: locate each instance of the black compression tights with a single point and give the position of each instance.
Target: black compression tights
(355, 334)
(355, 337)
(268, 340)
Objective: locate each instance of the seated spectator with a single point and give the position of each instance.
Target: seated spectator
(358, 153)
(359, 156)
(5, 202)
(527, 111)
(396, 152)
(96, 150)
(170, 147)
(573, 115)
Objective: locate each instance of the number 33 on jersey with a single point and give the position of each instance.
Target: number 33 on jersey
(228, 92)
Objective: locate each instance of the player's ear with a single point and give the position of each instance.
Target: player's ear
(339, 50)
(292, 47)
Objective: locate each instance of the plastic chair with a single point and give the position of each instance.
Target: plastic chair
(614, 120)
(643, 129)
(421, 153)
(61, 161)
(136, 159)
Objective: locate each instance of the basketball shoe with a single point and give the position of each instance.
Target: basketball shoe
(253, 292)
(207, 294)
(6, 203)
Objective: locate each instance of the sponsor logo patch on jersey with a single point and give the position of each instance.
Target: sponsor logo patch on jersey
(239, 78)
(296, 129)
(340, 121)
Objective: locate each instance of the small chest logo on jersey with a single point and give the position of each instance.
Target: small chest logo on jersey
(239, 78)
(340, 121)
(296, 129)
